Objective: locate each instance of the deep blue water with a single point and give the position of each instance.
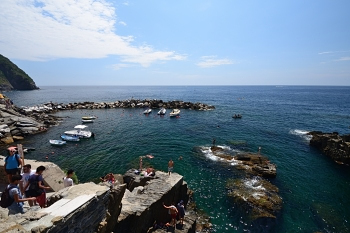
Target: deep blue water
(315, 190)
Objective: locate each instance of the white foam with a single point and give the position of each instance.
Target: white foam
(208, 153)
(302, 133)
(254, 184)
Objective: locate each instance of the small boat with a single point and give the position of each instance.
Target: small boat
(175, 112)
(162, 111)
(57, 142)
(148, 110)
(237, 116)
(70, 138)
(88, 117)
(87, 121)
(79, 132)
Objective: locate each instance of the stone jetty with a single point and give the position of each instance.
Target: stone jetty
(105, 207)
(132, 103)
(333, 145)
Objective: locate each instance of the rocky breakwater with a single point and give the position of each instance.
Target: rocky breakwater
(132, 103)
(252, 192)
(14, 125)
(333, 145)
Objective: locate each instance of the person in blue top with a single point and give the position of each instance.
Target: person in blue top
(12, 162)
(14, 193)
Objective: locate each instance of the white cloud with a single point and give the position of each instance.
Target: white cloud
(332, 52)
(343, 59)
(122, 23)
(51, 29)
(120, 66)
(212, 61)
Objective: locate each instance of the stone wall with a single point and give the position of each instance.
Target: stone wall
(103, 207)
(81, 209)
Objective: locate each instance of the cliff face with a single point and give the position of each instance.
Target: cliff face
(13, 78)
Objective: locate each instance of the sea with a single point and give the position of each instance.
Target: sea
(315, 190)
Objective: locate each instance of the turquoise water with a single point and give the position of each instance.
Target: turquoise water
(314, 189)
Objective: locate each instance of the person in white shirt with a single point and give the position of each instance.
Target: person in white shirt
(27, 171)
(67, 181)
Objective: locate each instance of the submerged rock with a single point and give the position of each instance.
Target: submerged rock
(256, 196)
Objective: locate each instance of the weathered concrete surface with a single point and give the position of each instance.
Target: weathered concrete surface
(81, 209)
(53, 175)
(144, 205)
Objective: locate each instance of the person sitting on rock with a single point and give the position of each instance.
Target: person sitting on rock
(108, 178)
(149, 171)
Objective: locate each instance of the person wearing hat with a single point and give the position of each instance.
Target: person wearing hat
(12, 162)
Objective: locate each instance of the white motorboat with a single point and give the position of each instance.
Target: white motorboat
(148, 110)
(162, 111)
(70, 138)
(57, 142)
(175, 112)
(87, 121)
(88, 117)
(79, 132)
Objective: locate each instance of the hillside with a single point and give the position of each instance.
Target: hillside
(13, 78)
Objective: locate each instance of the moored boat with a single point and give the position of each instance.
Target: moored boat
(237, 116)
(148, 110)
(57, 142)
(162, 111)
(88, 117)
(175, 112)
(79, 132)
(70, 138)
(87, 121)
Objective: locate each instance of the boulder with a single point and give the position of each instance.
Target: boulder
(333, 145)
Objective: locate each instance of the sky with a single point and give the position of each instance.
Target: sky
(196, 42)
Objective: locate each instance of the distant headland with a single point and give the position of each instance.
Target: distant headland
(14, 78)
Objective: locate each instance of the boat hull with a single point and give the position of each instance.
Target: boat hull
(79, 133)
(57, 142)
(70, 138)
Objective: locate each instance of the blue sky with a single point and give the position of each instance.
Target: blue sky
(198, 42)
